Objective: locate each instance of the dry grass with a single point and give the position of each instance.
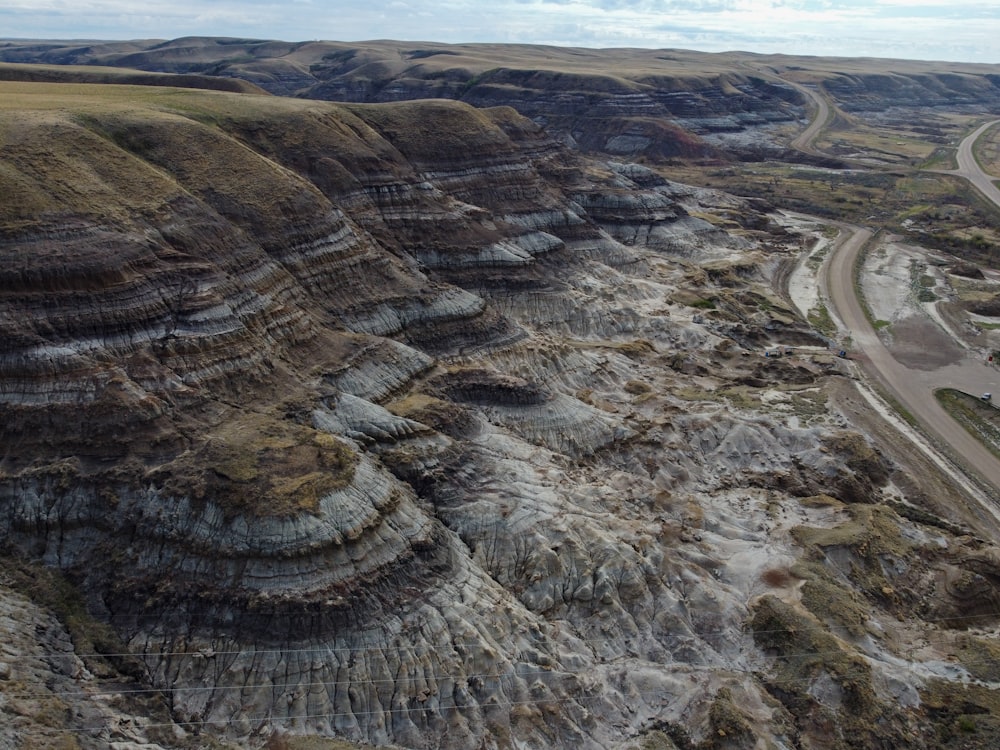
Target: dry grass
(62, 168)
(61, 156)
(121, 76)
(112, 153)
(437, 129)
(257, 464)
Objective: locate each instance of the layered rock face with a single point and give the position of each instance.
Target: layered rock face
(591, 99)
(654, 102)
(658, 104)
(404, 425)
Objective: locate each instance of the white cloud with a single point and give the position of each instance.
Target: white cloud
(929, 29)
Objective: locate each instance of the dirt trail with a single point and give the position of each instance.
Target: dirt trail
(804, 142)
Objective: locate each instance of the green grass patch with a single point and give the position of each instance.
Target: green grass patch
(859, 265)
(819, 318)
(809, 404)
(941, 158)
(919, 209)
(925, 517)
(922, 283)
(905, 414)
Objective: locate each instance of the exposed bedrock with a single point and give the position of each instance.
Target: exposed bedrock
(423, 434)
(881, 91)
(201, 544)
(657, 104)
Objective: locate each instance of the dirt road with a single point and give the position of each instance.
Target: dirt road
(805, 139)
(913, 389)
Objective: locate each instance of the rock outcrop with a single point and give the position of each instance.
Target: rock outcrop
(403, 424)
(658, 104)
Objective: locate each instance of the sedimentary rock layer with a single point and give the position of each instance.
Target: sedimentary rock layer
(659, 104)
(433, 435)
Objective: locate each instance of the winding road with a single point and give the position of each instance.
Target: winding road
(914, 388)
(805, 139)
(969, 168)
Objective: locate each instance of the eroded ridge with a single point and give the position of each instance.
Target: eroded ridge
(443, 436)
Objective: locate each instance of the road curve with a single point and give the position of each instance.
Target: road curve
(913, 389)
(969, 168)
(805, 139)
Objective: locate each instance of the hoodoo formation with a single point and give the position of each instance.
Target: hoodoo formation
(409, 424)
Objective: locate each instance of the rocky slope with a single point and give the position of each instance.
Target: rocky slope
(403, 424)
(657, 104)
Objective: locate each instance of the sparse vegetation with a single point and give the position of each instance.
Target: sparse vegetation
(590, 540)
(819, 318)
(91, 638)
(283, 741)
(703, 304)
(260, 465)
(638, 387)
(807, 654)
(831, 601)
(981, 419)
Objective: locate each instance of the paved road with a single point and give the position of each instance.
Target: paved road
(968, 167)
(912, 388)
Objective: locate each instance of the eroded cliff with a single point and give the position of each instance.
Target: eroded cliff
(403, 424)
(626, 103)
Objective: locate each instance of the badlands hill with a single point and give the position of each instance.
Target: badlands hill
(405, 424)
(655, 104)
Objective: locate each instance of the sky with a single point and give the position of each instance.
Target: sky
(953, 30)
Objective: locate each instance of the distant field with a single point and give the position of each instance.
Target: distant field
(26, 96)
(92, 74)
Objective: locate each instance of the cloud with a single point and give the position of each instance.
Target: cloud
(930, 29)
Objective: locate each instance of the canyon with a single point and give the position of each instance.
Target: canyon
(627, 103)
(431, 425)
